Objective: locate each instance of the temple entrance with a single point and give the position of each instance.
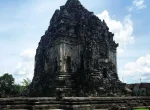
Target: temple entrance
(68, 64)
(104, 72)
(55, 65)
(82, 63)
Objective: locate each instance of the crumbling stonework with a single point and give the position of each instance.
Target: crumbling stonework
(76, 56)
(75, 103)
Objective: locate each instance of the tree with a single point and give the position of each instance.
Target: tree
(26, 82)
(7, 86)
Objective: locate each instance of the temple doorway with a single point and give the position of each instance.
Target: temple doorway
(68, 64)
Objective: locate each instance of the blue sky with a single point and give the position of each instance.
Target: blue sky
(23, 22)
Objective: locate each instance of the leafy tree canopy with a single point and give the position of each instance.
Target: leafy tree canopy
(7, 86)
(26, 82)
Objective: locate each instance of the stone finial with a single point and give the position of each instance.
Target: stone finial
(73, 2)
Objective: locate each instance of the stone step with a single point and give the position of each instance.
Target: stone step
(17, 109)
(35, 109)
(29, 107)
(100, 109)
(64, 75)
(68, 102)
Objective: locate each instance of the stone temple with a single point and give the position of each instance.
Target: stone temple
(76, 56)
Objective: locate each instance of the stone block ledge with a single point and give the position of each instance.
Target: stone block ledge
(74, 103)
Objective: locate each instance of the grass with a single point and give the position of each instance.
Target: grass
(141, 109)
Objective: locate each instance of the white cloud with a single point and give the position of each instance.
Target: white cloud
(25, 68)
(130, 8)
(122, 30)
(140, 69)
(137, 4)
(28, 55)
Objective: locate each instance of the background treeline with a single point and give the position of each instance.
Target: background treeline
(9, 89)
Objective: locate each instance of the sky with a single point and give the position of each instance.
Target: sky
(23, 22)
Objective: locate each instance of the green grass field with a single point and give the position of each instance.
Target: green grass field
(141, 109)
